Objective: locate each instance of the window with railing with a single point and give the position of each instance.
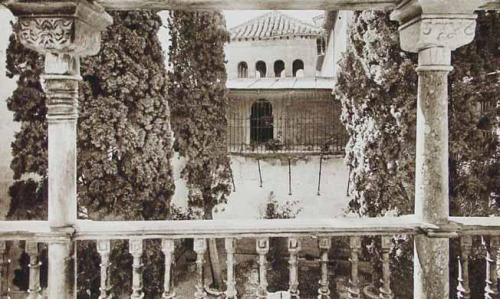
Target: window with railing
(286, 127)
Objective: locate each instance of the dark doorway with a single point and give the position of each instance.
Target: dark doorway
(261, 122)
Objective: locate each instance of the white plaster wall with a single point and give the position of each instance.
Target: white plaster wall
(7, 125)
(269, 51)
(337, 44)
(249, 199)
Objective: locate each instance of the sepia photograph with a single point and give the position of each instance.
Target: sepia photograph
(250, 149)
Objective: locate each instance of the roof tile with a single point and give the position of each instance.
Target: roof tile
(274, 25)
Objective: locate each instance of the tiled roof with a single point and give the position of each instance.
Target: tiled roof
(281, 83)
(274, 25)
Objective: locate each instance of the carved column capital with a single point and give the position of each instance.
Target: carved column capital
(64, 27)
(431, 23)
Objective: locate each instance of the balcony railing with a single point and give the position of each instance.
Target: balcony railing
(295, 231)
(304, 133)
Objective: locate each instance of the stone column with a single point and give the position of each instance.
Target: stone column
(62, 32)
(433, 29)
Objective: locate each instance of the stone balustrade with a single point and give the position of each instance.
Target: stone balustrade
(325, 233)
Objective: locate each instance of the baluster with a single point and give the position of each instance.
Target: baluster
(466, 248)
(168, 247)
(495, 273)
(385, 289)
(355, 246)
(136, 249)
(104, 249)
(35, 290)
(324, 285)
(488, 292)
(3, 264)
(293, 249)
(231, 283)
(460, 284)
(200, 247)
(262, 250)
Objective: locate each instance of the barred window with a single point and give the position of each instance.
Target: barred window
(261, 122)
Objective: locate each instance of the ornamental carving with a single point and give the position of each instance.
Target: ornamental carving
(435, 31)
(448, 31)
(46, 34)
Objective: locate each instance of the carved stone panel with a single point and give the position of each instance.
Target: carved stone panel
(434, 31)
(46, 33)
(60, 27)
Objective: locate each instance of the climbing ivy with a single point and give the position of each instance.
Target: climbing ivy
(198, 100)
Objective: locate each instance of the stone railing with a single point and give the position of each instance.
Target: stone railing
(295, 231)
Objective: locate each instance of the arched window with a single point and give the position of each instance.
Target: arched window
(298, 68)
(260, 69)
(261, 121)
(242, 70)
(279, 69)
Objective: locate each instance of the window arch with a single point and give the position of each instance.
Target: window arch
(279, 68)
(242, 70)
(261, 121)
(298, 68)
(260, 69)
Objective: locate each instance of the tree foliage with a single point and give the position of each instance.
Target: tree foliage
(377, 87)
(124, 132)
(474, 148)
(198, 99)
(29, 149)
